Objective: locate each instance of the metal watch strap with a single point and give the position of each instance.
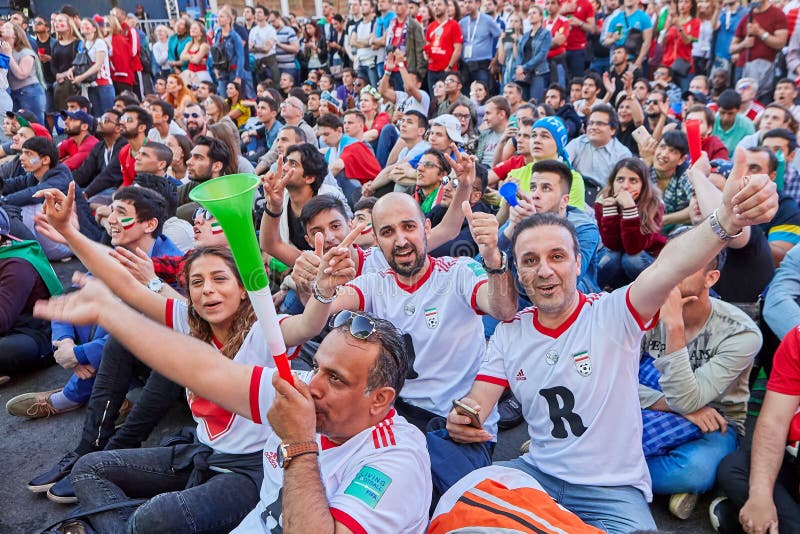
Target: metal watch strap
(503, 264)
(319, 297)
(717, 228)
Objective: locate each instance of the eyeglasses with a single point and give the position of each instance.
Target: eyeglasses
(462, 116)
(361, 326)
(597, 123)
(193, 115)
(285, 104)
(103, 120)
(202, 212)
(429, 165)
(447, 180)
(357, 84)
(450, 80)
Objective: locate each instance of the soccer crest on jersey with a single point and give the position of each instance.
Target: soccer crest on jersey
(439, 318)
(578, 387)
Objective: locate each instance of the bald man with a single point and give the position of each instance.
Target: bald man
(435, 302)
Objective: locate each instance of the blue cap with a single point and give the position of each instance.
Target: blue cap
(79, 114)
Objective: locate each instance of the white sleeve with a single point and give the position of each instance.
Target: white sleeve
(177, 316)
(471, 276)
(384, 493)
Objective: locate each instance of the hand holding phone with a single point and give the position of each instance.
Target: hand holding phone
(468, 411)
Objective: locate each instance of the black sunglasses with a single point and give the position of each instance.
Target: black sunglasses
(361, 326)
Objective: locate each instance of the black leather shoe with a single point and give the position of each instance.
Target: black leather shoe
(46, 480)
(510, 411)
(62, 492)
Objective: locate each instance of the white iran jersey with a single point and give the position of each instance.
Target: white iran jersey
(377, 481)
(440, 316)
(578, 387)
(220, 429)
(371, 260)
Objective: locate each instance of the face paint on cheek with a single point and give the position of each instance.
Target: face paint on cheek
(216, 228)
(127, 222)
(367, 229)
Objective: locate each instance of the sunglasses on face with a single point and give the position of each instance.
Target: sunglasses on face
(202, 212)
(447, 180)
(361, 326)
(193, 115)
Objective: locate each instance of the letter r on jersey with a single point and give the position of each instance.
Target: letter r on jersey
(561, 402)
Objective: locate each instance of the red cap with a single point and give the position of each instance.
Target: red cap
(40, 130)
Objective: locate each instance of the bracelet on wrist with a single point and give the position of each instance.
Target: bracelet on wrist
(319, 297)
(272, 213)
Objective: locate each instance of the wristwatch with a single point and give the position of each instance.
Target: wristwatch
(764, 36)
(719, 230)
(503, 264)
(155, 285)
(289, 451)
(319, 297)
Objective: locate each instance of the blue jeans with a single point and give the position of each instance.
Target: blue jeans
(538, 84)
(30, 98)
(370, 73)
(386, 141)
(691, 467)
(599, 65)
(106, 477)
(615, 268)
(102, 99)
(576, 63)
(614, 509)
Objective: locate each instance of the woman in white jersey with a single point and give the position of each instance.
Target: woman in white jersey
(210, 484)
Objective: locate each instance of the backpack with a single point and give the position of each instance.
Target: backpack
(219, 55)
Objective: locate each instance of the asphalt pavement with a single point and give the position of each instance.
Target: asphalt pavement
(29, 447)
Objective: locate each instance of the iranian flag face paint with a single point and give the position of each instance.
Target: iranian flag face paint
(127, 222)
(367, 229)
(216, 229)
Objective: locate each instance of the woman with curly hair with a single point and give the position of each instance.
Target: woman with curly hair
(629, 211)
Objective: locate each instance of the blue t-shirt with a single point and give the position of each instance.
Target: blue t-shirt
(485, 31)
(638, 20)
(382, 23)
(727, 27)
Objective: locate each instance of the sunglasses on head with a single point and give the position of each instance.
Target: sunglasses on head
(361, 326)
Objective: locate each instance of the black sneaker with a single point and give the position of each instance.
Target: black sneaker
(62, 492)
(510, 411)
(724, 516)
(46, 480)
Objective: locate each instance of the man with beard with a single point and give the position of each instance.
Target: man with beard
(435, 302)
(194, 116)
(209, 159)
(573, 359)
(136, 122)
(74, 150)
(656, 108)
(100, 173)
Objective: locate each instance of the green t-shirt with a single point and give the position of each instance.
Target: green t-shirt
(577, 193)
(742, 127)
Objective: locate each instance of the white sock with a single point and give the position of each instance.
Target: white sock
(60, 402)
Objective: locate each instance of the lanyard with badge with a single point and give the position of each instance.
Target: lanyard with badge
(471, 38)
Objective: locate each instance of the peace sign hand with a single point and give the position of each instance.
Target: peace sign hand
(336, 266)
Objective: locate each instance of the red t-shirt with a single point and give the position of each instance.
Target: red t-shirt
(440, 40)
(675, 48)
(359, 162)
(514, 162)
(126, 162)
(771, 19)
(785, 375)
(71, 154)
(584, 10)
(559, 26)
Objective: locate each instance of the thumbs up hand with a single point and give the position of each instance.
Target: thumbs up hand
(484, 228)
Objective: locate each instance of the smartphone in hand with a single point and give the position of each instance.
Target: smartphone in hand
(468, 411)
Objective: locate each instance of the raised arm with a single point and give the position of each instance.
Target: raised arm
(96, 257)
(274, 184)
(746, 201)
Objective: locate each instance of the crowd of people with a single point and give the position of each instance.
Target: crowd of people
(580, 215)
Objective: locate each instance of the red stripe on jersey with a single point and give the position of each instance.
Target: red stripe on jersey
(375, 438)
(391, 434)
(326, 443)
(361, 258)
(492, 380)
(638, 318)
(255, 387)
(168, 311)
(360, 296)
(296, 352)
(345, 519)
(474, 300)
(217, 343)
(384, 440)
(419, 283)
(555, 333)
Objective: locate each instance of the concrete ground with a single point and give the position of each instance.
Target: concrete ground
(32, 446)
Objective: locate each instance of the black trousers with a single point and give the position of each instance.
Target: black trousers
(117, 369)
(22, 352)
(733, 477)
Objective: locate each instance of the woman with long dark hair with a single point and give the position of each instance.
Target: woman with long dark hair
(629, 211)
(100, 88)
(23, 80)
(532, 70)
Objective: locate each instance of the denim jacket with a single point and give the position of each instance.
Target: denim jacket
(235, 50)
(540, 45)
